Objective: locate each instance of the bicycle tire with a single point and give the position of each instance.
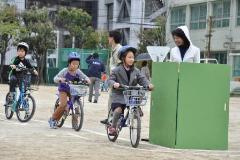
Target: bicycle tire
(26, 117)
(80, 115)
(135, 116)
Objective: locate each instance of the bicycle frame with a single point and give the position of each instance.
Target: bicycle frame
(21, 98)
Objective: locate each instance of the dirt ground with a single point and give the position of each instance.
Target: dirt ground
(35, 140)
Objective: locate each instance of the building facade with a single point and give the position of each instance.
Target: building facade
(225, 15)
(129, 17)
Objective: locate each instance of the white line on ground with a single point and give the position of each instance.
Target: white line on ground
(162, 149)
(78, 136)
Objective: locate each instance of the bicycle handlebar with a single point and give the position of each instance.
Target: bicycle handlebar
(20, 69)
(125, 87)
(78, 82)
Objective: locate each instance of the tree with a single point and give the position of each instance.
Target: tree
(77, 22)
(153, 37)
(96, 40)
(9, 28)
(39, 35)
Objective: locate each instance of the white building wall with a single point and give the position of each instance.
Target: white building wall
(134, 24)
(219, 36)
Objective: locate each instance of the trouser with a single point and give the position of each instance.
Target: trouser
(104, 86)
(95, 85)
(19, 80)
(63, 97)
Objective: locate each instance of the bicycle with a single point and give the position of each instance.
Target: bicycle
(134, 96)
(75, 104)
(24, 104)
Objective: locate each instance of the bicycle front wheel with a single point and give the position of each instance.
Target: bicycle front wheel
(77, 115)
(135, 128)
(26, 109)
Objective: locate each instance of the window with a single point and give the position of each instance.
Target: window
(198, 16)
(178, 16)
(238, 14)
(110, 11)
(221, 13)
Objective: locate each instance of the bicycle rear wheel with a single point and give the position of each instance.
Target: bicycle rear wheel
(8, 107)
(77, 115)
(114, 137)
(135, 128)
(62, 119)
(26, 109)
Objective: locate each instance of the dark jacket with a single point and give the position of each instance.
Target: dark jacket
(21, 63)
(119, 75)
(95, 67)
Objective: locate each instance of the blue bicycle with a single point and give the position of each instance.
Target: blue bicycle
(134, 96)
(75, 104)
(24, 105)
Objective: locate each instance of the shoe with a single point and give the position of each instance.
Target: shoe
(90, 101)
(52, 123)
(95, 101)
(105, 121)
(112, 131)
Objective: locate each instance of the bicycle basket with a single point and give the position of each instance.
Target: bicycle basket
(78, 90)
(135, 97)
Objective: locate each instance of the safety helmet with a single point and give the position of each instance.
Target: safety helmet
(23, 45)
(73, 56)
(125, 49)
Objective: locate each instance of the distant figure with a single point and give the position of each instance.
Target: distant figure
(184, 51)
(104, 87)
(96, 67)
(145, 70)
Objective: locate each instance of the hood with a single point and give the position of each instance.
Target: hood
(186, 32)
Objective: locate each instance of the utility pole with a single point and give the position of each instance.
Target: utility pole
(208, 36)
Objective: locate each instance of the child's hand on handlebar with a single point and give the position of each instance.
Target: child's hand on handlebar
(116, 85)
(35, 72)
(62, 80)
(88, 81)
(13, 66)
(150, 87)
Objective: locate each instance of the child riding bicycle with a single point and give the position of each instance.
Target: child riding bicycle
(69, 74)
(16, 76)
(124, 74)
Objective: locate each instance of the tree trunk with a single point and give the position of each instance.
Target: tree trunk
(38, 67)
(2, 64)
(3, 56)
(42, 68)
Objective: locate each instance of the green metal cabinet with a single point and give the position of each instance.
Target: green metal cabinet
(190, 106)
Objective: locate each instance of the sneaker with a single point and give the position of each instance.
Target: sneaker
(95, 101)
(52, 123)
(90, 101)
(105, 121)
(112, 131)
